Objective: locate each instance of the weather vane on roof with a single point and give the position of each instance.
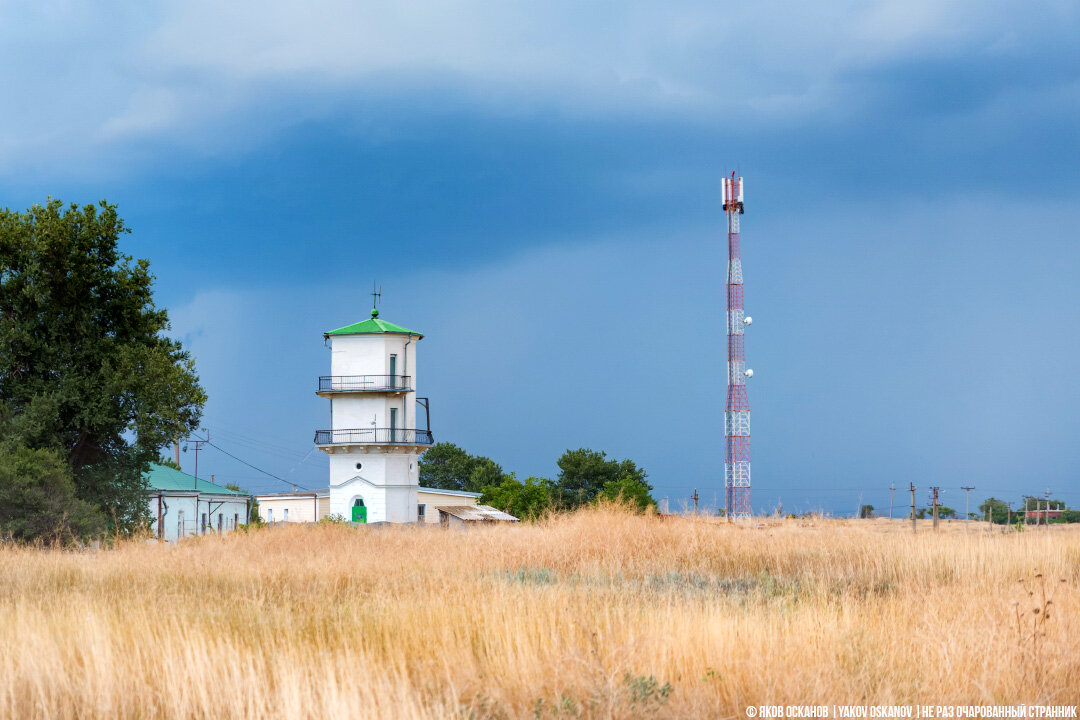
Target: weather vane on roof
(376, 298)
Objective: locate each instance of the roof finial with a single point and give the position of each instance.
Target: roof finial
(376, 297)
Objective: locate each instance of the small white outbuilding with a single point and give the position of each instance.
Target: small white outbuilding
(299, 506)
(182, 506)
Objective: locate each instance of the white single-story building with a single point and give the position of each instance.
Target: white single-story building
(181, 506)
(306, 506)
(299, 506)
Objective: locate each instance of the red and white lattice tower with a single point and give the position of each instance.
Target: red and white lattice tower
(737, 408)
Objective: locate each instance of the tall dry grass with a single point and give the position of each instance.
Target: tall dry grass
(598, 614)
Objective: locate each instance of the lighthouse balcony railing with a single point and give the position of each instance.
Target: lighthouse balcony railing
(364, 383)
(374, 436)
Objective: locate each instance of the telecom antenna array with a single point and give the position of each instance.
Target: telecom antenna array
(737, 408)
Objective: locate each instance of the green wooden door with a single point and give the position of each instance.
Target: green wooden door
(393, 372)
(393, 424)
(359, 512)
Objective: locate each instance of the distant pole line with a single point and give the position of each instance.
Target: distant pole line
(892, 490)
(913, 528)
(967, 495)
(934, 499)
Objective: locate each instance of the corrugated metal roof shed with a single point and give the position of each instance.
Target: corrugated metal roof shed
(477, 513)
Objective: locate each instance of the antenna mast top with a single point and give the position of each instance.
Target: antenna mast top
(376, 298)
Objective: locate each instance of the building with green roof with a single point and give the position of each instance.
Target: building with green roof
(182, 505)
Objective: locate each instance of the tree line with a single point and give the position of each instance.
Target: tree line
(585, 476)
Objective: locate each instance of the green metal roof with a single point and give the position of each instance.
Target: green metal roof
(372, 326)
(163, 477)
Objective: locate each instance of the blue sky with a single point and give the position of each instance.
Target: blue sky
(536, 187)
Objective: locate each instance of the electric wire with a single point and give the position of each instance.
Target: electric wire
(258, 469)
(261, 445)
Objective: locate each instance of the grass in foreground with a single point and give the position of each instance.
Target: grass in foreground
(598, 614)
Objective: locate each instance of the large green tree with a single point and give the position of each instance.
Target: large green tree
(447, 466)
(86, 369)
(583, 473)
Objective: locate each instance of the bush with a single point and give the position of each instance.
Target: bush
(627, 490)
(526, 500)
(37, 498)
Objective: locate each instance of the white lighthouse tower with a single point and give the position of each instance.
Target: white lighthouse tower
(374, 440)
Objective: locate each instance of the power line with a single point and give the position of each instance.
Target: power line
(260, 436)
(263, 446)
(245, 462)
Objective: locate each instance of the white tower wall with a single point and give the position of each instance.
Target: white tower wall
(360, 355)
(387, 483)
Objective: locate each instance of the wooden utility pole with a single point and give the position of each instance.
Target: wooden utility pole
(198, 445)
(892, 489)
(176, 453)
(913, 531)
(934, 500)
(696, 497)
(967, 497)
(1047, 508)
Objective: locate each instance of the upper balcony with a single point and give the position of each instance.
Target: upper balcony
(364, 383)
(374, 436)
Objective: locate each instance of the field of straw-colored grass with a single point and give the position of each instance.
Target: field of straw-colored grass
(598, 614)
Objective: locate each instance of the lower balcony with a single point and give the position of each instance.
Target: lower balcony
(374, 436)
(364, 383)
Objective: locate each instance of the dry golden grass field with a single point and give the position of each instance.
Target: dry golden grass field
(601, 614)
